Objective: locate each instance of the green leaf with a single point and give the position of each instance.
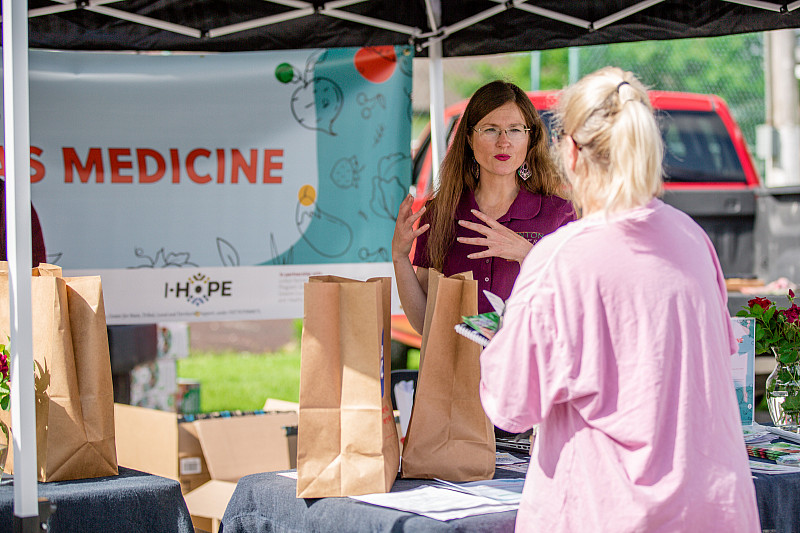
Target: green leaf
(763, 347)
(791, 404)
(4, 403)
(788, 356)
(784, 375)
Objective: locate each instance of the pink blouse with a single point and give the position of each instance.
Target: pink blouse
(617, 341)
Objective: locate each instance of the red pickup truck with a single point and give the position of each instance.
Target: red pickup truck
(709, 174)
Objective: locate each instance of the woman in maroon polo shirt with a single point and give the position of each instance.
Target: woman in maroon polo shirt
(499, 193)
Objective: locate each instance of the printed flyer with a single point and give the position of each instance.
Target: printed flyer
(743, 366)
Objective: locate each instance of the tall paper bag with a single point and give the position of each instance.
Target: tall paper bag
(75, 417)
(347, 438)
(449, 435)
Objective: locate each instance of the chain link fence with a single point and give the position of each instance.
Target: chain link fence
(731, 67)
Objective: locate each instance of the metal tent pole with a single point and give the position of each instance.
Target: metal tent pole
(436, 84)
(18, 224)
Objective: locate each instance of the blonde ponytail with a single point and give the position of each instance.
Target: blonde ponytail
(608, 114)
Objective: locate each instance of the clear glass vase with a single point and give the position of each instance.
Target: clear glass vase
(783, 395)
(5, 442)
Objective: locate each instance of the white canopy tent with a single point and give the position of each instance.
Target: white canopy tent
(437, 28)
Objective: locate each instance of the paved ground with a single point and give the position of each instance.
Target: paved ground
(247, 336)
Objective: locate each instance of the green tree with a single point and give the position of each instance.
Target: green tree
(729, 66)
(516, 68)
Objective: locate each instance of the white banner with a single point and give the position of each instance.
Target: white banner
(248, 168)
(217, 293)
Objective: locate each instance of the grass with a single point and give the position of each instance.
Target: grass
(243, 381)
(233, 380)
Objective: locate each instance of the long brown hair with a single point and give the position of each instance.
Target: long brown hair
(456, 173)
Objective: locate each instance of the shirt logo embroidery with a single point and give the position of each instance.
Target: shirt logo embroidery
(531, 236)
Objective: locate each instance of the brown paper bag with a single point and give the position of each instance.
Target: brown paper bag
(75, 419)
(347, 438)
(449, 436)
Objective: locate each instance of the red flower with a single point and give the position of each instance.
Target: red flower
(791, 293)
(3, 366)
(763, 302)
(792, 314)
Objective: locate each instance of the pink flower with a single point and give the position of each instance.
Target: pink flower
(3, 366)
(791, 293)
(763, 302)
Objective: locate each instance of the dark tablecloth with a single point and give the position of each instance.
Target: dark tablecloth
(266, 503)
(778, 497)
(132, 502)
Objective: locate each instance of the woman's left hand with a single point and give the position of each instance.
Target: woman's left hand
(498, 239)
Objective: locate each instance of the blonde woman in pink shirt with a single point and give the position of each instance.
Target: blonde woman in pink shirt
(616, 340)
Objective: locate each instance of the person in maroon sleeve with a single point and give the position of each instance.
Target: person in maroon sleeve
(37, 244)
(499, 193)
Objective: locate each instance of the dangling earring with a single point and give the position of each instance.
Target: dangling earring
(476, 169)
(524, 172)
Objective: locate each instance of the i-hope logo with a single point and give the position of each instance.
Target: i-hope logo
(198, 289)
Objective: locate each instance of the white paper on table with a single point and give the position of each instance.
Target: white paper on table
(404, 394)
(505, 458)
(507, 490)
(758, 467)
(755, 433)
(437, 503)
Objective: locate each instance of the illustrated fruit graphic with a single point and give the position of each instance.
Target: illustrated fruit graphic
(306, 195)
(376, 63)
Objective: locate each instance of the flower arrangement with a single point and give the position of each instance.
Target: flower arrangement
(5, 396)
(41, 382)
(5, 377)
(778, 333)
(777, 330)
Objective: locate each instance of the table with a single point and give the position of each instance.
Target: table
(266, 502)
(132, 502)
(778, 498)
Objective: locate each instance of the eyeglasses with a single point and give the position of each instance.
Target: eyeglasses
(514, 133)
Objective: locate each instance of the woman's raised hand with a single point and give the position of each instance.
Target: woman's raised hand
(498, 239)
(404, 232)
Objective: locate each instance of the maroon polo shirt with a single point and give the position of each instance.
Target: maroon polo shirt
(530, 215)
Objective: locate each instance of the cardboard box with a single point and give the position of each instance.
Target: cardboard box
(271, 404)
(207, 504)
(207, 454)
